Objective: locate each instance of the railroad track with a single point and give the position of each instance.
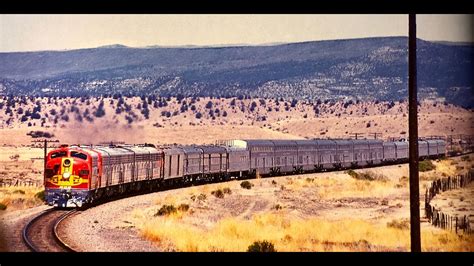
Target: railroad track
(41, 233)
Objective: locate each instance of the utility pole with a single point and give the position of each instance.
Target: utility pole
(376, 134)
(413, 138)
(45, 147)
(356, 135)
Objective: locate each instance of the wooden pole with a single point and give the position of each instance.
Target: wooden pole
(413, 135)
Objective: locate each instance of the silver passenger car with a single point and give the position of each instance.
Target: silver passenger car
(193, 164)
(401, 150)
(422, 148)
(326, 152)
(361, 152)
(285, 156)
(173, 162)
(117, 166)
(260, 153)
(376, 151)
(432, 148)
(344, 156)
(238, 161)
(441, 147)
(214, 159)
(389, 151)
(307, 154)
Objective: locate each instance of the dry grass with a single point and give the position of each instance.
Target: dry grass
(21, 197)
(342, 185)
(293, 234)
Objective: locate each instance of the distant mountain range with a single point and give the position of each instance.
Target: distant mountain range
(365, 69)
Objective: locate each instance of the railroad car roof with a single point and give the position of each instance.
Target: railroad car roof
(191, 149)
(235, 149)
(112, 150)
(140, 149)
(282, 142)
(211, 149)
(344, 142)
(173, 150)
(325, 142)
(258, 142)
(306, 142)
(401, 143)
(388, 143)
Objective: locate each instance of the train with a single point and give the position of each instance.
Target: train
(79, 175)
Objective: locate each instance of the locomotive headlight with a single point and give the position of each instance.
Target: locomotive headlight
(66, 175)
(67, 163)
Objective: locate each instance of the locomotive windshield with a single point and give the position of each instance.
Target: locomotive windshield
(58, 154)
(78, 155)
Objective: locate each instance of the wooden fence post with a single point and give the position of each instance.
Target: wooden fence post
(456, 225)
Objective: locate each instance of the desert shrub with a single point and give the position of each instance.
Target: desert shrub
(367, 175)
(261, 246)
(218, 193)
(403, 224)
(277, 207)
(465, 158)
(227, 191)
(202, 197)
(166, 210)
(198, 115)
(3, 207)
(40, 134)
(274, 182)
(426, 165)
(19, 191)
(352, 173)
(40, 195)
(183, 207)
(100, 112)
(246, 185)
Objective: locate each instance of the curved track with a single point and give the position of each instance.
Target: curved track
(41, 233)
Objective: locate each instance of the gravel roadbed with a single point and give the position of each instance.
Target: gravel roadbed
(11, 227)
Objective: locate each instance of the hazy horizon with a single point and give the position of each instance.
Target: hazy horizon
(27, 33)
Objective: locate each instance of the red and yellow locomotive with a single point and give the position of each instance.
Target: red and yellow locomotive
(67, 177)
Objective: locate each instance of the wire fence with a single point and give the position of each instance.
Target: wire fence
(20, 183)
(443, 220)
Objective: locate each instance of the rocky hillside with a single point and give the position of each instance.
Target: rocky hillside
(365, 69)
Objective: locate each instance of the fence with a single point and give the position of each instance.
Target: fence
(443, 220)
(19, 183)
